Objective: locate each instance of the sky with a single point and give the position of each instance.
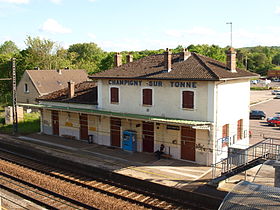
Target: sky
(132, 25)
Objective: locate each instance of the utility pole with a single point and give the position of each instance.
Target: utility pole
(230, 33)
(14, 79)
(246, 62)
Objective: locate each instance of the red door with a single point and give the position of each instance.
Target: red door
(148, 137)
(83, 126)
(55, 123)
(188, 143)
(115, 132)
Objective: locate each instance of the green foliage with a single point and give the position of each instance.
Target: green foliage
(107, 62)
(9, 48)
(31, 124)
(276, 59)
(39, 52)
(261, 88)
(47, 54)
(88, 56)
(212, 51)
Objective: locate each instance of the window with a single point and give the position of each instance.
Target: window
(187, 102)
(114, 95)
(148, 97)
(239, 129)
(26, 90)
(225, 130)
(225, 135)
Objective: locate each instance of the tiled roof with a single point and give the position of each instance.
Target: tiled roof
(85, 93)
(196, 67)
(47, 81)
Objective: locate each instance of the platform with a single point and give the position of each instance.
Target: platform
(170, 172)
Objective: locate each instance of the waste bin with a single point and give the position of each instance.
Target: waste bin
(90, 139)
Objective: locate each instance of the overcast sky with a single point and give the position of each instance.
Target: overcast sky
(117, 25)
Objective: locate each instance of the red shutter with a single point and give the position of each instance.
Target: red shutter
(114, 95)
(239, 129)
(188, 97)
(225, 131)
(147, 97)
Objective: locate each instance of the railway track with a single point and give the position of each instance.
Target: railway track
(42, 197)
(87, 191)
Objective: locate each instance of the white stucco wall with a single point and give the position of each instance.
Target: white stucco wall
(232, 104)
(167, 100)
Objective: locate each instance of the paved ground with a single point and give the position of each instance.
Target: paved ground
(259, 128)
(258, 96)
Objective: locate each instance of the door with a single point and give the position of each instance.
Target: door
(188, 143)
(148, 137)
(115, 132)
(55, 123)
(83, 126)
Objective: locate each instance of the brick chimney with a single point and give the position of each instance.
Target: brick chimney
(231, 60)
(185, 54)
(71, 89)
(117, 60)
(167, 59)
(129, 58)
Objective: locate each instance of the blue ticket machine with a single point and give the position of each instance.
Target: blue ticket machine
(129, 141)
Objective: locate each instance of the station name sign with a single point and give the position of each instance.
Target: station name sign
(152, 83)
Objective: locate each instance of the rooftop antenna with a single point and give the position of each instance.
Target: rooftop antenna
(230, 33)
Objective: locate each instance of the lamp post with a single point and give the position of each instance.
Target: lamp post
(230, 33)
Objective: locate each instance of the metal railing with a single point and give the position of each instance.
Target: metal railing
(269, 148)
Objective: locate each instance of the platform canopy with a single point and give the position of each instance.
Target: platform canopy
(196, 124)
(247, 195)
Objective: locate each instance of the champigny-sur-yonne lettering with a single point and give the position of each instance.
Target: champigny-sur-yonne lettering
(152, 83)
(125, 82)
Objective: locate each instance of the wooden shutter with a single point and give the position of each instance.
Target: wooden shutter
(114, 95)
(225, 130)
(147, 97)
(188, 98)
(239, 129)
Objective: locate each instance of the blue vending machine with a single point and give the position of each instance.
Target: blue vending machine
(129, 142)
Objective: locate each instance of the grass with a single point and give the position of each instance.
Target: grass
(30, 124)
(260, 88)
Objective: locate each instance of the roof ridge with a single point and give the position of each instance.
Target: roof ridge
(196, 56)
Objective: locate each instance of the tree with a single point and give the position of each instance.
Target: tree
(40, 52)
(276, 59)
(107, 62)
(89, 56)
(9, 47)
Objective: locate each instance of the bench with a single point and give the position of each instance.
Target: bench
(167, 156)
(69, 137)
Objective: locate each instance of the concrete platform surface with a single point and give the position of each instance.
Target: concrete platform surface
(170, 172)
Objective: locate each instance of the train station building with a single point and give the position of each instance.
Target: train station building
(195, 106)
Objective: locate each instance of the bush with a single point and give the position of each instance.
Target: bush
(260, 88)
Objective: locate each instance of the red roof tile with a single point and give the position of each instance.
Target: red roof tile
(85, 93)
(196, 67)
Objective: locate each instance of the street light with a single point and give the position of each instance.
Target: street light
(230, 33)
